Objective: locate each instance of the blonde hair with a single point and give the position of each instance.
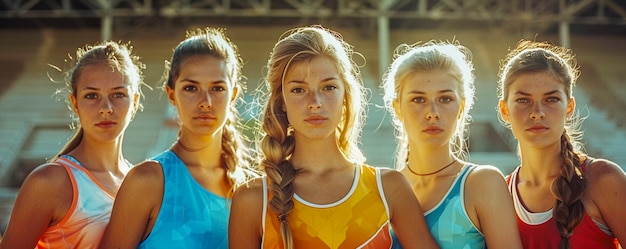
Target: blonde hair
(213, 42)
(116, 55)
(532, 57)
(451, 58)
(277, 142)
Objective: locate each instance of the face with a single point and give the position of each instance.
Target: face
(536, 107)
(202, 95)
(429, 106)
(313, 95)
(104, 102)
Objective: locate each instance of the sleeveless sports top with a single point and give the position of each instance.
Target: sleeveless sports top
(190, 216)
(83, 225)
(539, 231)
(448, 220)
(358, 220)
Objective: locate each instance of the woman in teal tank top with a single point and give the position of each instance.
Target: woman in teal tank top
(429, 89)
(181, 198)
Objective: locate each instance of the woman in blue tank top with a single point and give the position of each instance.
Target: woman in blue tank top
(181, 198)
(429, 88)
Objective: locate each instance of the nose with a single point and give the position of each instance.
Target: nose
(433, 113)
(537, 113)
(314, 101)
(106, 107)
(206, 101)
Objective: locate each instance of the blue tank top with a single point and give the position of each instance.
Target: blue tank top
(448, 220)
(190, 216)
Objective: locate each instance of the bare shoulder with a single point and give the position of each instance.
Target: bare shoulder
(146, 169)
(250, 192)
(603, 174)
(50, 177)
(485, 176)
(392, 178)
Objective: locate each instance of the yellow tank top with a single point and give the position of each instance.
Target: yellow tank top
(358, 220)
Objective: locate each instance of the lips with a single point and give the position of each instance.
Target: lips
(205, 117)
(316, 119)
(433, 129)
(538, 128)
(106, 124)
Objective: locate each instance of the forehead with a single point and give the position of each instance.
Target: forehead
(536, 83)
(101, 76)
(203, 65)
(429, 81)
(309, 69)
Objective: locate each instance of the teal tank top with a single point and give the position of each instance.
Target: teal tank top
(190, 216)
(448, 221)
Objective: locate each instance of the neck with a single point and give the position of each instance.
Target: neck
(197, 150)
(540, 164)
(97, 155)
(424, 160)
(317, 155)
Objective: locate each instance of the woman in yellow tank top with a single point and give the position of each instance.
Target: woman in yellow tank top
(318, 193)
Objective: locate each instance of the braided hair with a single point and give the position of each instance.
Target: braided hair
(569, 186)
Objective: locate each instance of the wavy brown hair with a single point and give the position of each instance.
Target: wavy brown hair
(119, 57)
(277, 142)
(568, 188)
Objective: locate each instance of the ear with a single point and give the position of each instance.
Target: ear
(461, 109)
(234, 96)
(571, 107)
(396, 108)
(504, 110)
(74, 104)
(170, 95)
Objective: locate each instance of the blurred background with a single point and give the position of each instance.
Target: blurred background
(34, 123)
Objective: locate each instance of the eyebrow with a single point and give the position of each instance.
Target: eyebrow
(528, 94)
(304, 82)
(196, 82)
(96, 89)
(421, 92)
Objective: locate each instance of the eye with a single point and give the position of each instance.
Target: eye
(218, 88)
(418, 100)
(329, 87)
(553, 99)
(297, 90)
(190, 88)
(522, 100)
(119, 95)
(445, 99)
(91, 96)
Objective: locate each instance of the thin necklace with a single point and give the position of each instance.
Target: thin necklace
(188, 148)
(427, 174)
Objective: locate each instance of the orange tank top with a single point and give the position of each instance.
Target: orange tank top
(83, 225)
(358, 220)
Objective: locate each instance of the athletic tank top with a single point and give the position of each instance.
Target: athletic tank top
(543, 233)
(448, 220)
(190, 216)
(83, 225)
(358, 220)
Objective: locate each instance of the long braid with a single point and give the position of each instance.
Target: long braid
(568, 188)
(235, 154)
(277, 146)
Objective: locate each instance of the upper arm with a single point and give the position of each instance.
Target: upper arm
(43, 200)
(136, 206)
(245, 225)
(494, 213)
(406, 215)
(606, 183)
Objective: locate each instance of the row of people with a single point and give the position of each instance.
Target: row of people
(308, 186)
